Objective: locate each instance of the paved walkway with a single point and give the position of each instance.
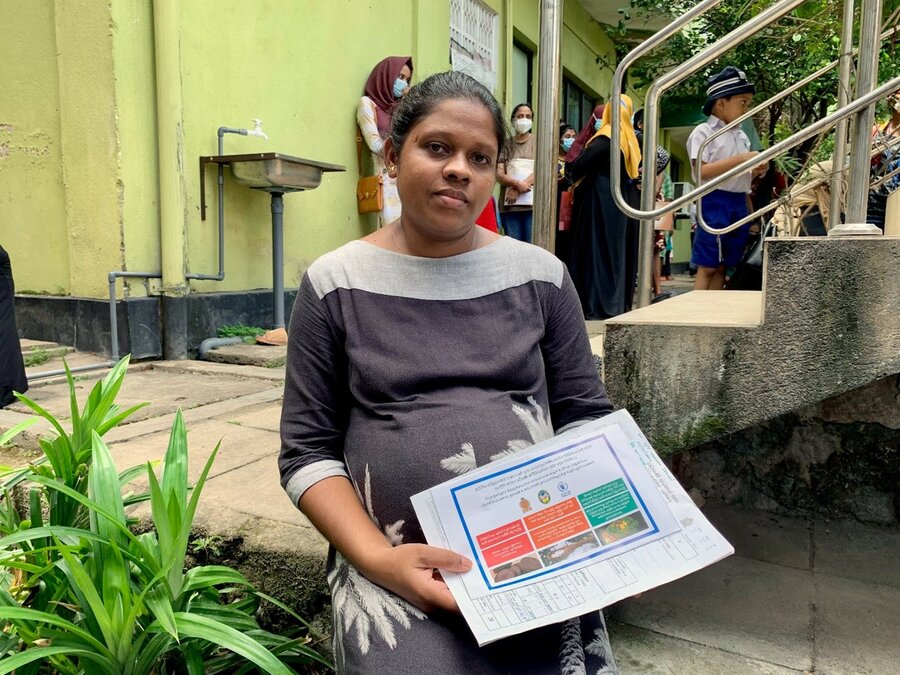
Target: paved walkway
(800, 596)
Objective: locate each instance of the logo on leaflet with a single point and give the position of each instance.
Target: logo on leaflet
(544, 497)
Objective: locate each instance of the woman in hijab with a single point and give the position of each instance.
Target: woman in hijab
(604, 244)
(386, 85)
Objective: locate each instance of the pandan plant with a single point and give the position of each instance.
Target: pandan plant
(88, 595)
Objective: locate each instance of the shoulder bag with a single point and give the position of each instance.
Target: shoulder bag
(369, 191)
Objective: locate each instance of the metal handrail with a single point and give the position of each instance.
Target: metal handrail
(646, 214)
(668, 80)
(747, 115)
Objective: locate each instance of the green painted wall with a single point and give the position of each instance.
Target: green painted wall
(135, 103)
(78, 144)
(32, 197)
(300, 67)
(94, 208)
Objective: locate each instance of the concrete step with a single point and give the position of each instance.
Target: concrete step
(38, 352)
(708, 363)
(242, 354)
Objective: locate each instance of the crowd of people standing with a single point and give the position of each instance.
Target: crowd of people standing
(597, 241)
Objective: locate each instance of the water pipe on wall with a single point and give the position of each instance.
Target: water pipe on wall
(220, 194)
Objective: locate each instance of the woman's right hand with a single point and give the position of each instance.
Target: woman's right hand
(409, 571)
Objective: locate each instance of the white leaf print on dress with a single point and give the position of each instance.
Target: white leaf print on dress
(537, 424)
(362, 607)
(601, 648)
(571, 648)
(462, 462)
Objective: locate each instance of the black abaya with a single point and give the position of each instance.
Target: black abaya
(604, 251)
(12, 368)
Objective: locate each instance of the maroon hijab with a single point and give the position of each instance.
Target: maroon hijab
(380, 88)
(585, 134)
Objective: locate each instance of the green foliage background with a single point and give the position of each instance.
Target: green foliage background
(775, 58)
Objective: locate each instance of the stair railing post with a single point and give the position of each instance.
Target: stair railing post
(860, 150)
(549, 80)
(839, 157)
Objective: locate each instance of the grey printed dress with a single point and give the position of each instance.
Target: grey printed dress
(403, 372)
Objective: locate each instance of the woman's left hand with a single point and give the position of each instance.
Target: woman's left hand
(409, 570)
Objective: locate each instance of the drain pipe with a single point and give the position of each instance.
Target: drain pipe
(220, 195)
(213, 342)
(113, 328)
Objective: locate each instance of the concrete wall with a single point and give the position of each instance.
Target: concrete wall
(31, 179)
(78, 142)
(830, 324)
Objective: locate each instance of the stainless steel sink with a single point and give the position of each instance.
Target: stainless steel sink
(269, 171)
(282, 173)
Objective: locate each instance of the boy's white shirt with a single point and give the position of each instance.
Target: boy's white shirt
(729, 144)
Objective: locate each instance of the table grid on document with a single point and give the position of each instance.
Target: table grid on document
(509, 608)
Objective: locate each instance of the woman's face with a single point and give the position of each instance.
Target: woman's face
(523, 112)
(446, 170)
(568, 133)
(405, 74)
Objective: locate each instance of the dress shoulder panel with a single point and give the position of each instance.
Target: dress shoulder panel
(502, 265)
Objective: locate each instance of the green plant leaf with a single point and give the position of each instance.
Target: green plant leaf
(11, 663)
(89, 598)
(160, 603)
(198, 578)
(184, 534)
(43, 413)
(31, 615)
(10, 434)
(175, 464)
(117, 419)
(145, 657)
(105, 490)
(219, 634)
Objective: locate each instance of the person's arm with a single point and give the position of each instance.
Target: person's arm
(574, 389)
(333, 506)
(313, 473)
(710, 170)
(592, 159)
(368, 125)
(511, 184)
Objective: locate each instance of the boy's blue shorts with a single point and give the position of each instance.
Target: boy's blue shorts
(720, 209)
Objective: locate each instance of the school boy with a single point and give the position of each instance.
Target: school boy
(727, 98)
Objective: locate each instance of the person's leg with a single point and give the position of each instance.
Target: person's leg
(704, 277)
(527, 220)
(717, 281)
(512, 224)
(657, 275)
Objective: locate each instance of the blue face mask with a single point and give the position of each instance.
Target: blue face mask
(598, 124)
(567, 143)
(399, 87)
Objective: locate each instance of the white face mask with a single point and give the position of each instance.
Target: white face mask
(523, 125)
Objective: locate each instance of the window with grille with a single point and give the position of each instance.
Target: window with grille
(473, 40)
(577, 105)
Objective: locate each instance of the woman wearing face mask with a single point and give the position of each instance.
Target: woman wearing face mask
(564, 194)
(386, 85)
(516, 175)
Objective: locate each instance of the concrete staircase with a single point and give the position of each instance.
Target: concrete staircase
(708, 363)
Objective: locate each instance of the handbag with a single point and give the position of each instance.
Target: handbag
(666, 222)
(369, 189)
(565, 211)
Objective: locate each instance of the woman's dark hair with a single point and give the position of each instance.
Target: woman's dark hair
(638, 117)
(424, 97)
(563, 128)
(512, 117)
